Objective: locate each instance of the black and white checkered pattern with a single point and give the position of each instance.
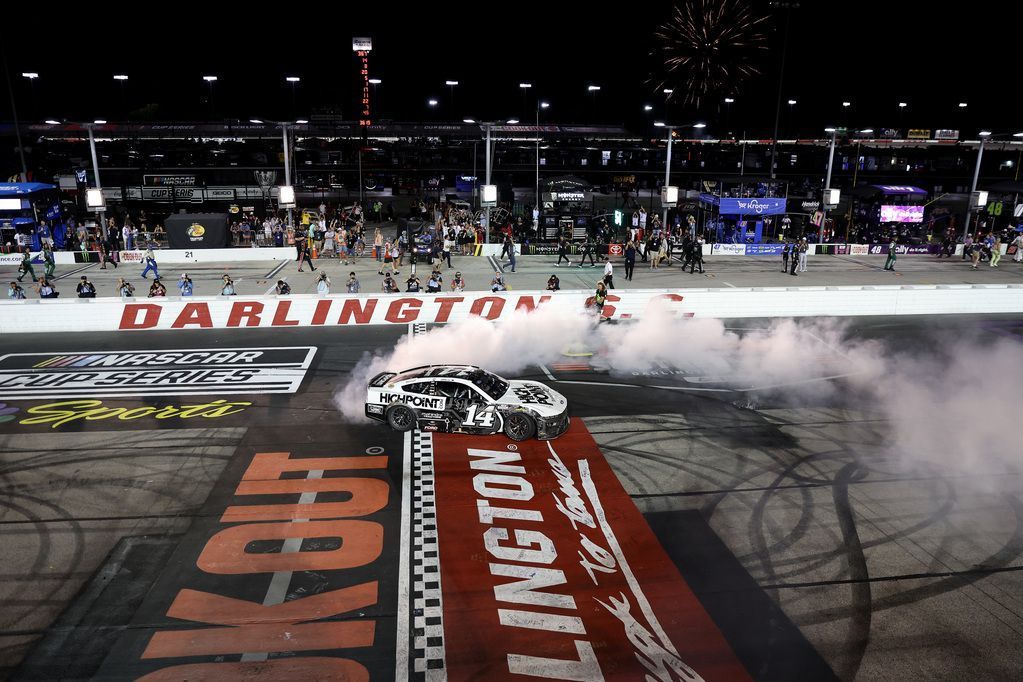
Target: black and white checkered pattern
(427, 607)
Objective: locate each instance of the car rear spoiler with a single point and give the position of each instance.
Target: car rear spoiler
(381, 379)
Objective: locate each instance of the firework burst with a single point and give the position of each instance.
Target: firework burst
(709, 47)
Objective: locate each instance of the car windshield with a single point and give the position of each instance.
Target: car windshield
(491, 384)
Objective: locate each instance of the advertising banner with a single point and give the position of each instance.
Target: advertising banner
(764, 249)
(754, 206)
(728, 249)
(548, 570)
(197, 230)
(903, 249)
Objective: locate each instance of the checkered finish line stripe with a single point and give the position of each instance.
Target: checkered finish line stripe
(427, 605)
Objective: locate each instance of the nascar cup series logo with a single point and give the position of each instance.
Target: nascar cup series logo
(195, 232)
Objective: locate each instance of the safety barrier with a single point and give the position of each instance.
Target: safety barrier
(112, 314)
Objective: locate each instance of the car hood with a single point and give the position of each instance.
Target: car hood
(536, 396)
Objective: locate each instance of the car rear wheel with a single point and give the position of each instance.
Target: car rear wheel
(519, 426)
(400, 418)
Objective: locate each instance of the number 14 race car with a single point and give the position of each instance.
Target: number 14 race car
(466, 399)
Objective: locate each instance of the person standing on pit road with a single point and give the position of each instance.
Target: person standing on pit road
(15, 292)
(506, 246)
(794, 258)
(511, 256)
(803, 249)
(49, 261)
(889, 263)
(630, 260)
(996, 252)
(562, 252)
(185, 285)
(1018, 243)
(967, 247)
(587, 250)
(150, 260)
(304, 256)
(609, 280)
(449, 246)
(785, 248)
(697, 255)
(25, 268)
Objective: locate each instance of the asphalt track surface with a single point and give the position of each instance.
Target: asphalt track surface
(785, 542)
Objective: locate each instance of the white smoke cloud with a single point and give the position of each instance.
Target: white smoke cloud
(947, 406)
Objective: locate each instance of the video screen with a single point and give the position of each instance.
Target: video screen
(902, 214)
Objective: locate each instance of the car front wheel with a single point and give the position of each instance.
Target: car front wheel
(519, 426)
(400, 418)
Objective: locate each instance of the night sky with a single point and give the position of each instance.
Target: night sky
(873, 54)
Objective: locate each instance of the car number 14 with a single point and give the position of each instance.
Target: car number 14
(476, 418)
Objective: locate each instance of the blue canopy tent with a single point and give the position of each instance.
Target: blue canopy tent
(24, 204)
(748, 214)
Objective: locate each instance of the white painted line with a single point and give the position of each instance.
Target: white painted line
(278, 589)
(401, 648)
(273, 273)
(547, 372)
(729, 284)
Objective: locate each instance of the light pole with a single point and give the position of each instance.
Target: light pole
(375, 82)
(667, 98)
(984, 134)
(788, 7)
(122, 78)
(539, 105)
(525, 88)
(32, 76)
(728, 111)
(825, 197)
(210, 81)
(14, 112)
(95, 173)
(593, 90)
(667, 162)
(486, 238)
(294, 80)
(287, 162)
(451, 89)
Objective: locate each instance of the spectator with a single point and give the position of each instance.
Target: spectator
(378, 242)
(278, 236)
(352, 286)
(1018, 243)
(497, 284)
(150, 260)
(553, 283)
(157, 289)
(185, 285)
(642, 218)
(329, 241)
(85, 288)
(449, 246)
(15, 292)
(433, 284)
(227, 287)
(458, 283)
(46, 289)
(126, 237)
(125, 289)
(804, 248)
(283, 288)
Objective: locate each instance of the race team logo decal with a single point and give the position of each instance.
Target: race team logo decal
(154, 373)
(195, 232)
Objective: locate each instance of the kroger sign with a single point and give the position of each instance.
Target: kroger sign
(755, 206)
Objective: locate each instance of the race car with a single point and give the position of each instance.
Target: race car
(466, 399)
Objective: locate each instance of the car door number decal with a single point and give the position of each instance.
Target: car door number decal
(476, 418)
